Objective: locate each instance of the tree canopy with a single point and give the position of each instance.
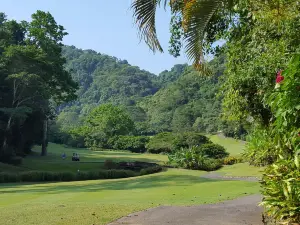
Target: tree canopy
(32, 77)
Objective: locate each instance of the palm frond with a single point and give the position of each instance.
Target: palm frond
(196, 16)
(144, 12)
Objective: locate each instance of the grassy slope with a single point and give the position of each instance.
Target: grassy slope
(99, 202)
(76, 202)
(241, 169)
(233, 146)
(89, 160)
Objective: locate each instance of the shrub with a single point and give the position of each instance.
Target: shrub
(260, 149)
(189, 139)
(192, 158)
(214, 151)
(162, 142)
(211, 164)
(166, 142)
(109, 164)
(16, 160)
(281, 183)
(10, 158)
(230, 160)
(131, 143)
(150, 170)
(41, 176)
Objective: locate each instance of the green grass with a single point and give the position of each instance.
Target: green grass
(10, 168)
(102, 201)
(233, 146)
(241, 169)
(99, 202)
(89, 160)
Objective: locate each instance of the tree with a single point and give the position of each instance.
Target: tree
(32, 77)
(192, 20)
(104, 122)
(262, 38)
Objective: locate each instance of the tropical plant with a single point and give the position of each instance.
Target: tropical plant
(282, 190)
(193, 158)
(192, 23)
(281, 183)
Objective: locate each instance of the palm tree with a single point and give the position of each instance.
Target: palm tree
(195, 14)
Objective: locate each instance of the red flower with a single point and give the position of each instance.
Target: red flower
(279, 77)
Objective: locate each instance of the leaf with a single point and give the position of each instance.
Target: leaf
(144, 13)
(297, 159)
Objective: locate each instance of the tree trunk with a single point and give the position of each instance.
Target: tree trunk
(4, 145)
(45, 138)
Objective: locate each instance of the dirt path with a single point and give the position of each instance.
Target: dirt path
(244, 210)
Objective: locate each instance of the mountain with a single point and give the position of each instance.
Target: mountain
(188, 103)
(179, 99)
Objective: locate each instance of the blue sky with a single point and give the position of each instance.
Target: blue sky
(105, 26)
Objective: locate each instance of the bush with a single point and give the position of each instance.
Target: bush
(260, 149)
(214, 151)
(15, 160)
(189, 139)
(41, 176)
(109, 164)
(230, 160)
(162, 142)
(131, 143)
(192, 158)
(281, 190)
(167, 142)
(211, 164)
(150, 170)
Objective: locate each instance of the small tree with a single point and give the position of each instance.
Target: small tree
(104, 122)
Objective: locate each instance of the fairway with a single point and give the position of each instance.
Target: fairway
(89, 160)
(99, 202)
(233, 146)
(103, 201)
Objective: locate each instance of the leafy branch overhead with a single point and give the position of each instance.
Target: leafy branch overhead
(192, 17)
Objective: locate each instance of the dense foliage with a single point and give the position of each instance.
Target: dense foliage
(42, 176)
(102, 123)
(131, 143)
(281, 180)
(261, 44)
(262, 37)
(33, 78)
(195, 158)
(166, 142)
(192, 106)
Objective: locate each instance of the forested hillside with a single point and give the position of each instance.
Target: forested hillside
(188, 103)
(174, 100)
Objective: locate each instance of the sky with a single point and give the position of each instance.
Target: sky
(105, 26)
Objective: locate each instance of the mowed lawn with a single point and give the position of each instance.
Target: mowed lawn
(89, 160)
(233, 146)
(102, 201)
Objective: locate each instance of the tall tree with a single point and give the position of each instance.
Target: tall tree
(32, 75)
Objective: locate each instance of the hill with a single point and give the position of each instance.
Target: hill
(174, 100)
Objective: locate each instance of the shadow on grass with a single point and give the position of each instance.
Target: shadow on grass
(123, 184)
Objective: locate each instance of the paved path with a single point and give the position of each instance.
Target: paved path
(216, 176)
(244, 210)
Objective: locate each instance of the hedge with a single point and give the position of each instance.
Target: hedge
(41, 176)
